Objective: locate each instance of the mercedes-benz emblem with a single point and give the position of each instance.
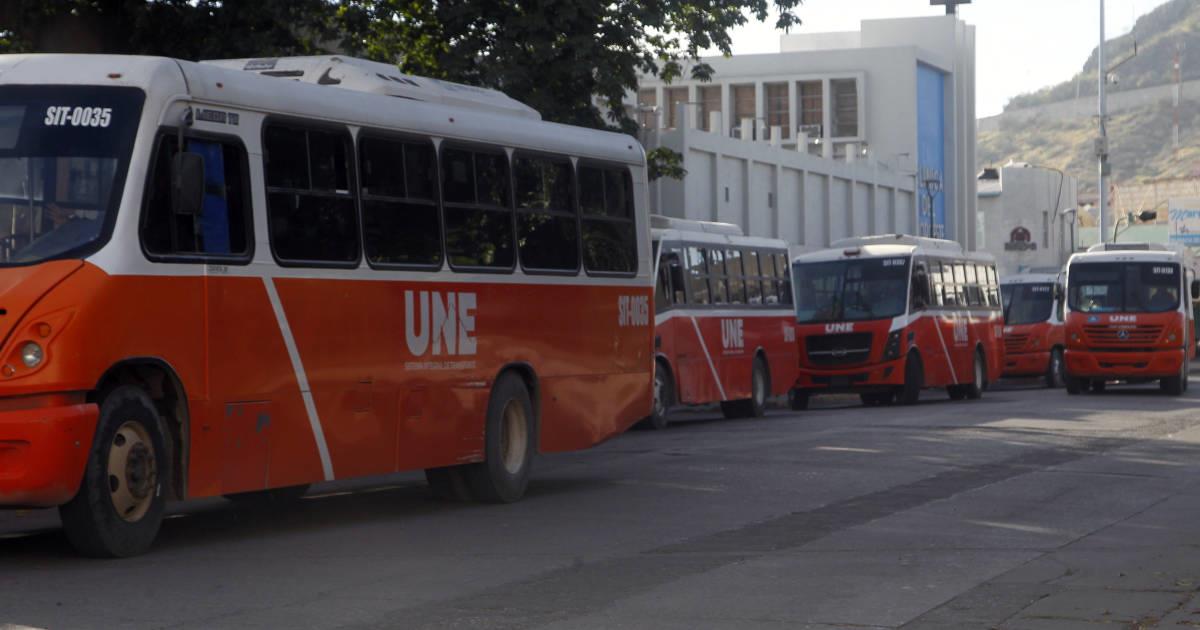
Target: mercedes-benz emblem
(1122, 334)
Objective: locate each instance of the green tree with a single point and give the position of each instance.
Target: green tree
(572, 60)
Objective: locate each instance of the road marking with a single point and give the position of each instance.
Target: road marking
(301, 378)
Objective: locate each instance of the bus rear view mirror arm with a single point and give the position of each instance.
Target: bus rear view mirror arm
(187, 183)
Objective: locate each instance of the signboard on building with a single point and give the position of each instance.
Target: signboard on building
(1184, 221)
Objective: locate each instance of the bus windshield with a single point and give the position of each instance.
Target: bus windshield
(1124, 287)
(1027, 303)
(851, 290)
(63, 155)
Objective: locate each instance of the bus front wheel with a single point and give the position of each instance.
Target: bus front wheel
(1074, 385)
(914, 380)
(510, 442)
(119, 507)
(1178, 384)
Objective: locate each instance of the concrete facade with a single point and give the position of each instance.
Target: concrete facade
(1026, 217)
(834, 136)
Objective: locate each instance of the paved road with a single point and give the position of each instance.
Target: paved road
(1026, 510)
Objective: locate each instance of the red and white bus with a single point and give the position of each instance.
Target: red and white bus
(1129, 317)
(887, 316)
(1034, 334)
(346, 272)
(723, 323)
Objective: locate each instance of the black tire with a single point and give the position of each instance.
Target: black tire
(760, 389)
(275, 497)
(956, 392)
(797, 400)
(119, 515)
(877, 399)
(974, 390)
(1099, 386)
(509, 444)
(1074, 385)
(449, 483)
(664, 398)
(733, 409)
(1056, 370)
(1176, 385)
(914, 380)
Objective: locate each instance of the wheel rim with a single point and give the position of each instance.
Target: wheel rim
(660, 384)
(132, 472)
(760, 394)
(514, 437)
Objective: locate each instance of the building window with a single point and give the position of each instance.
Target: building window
(812, 107)
(777, 107)
(845, 107)
(647, 102)
(674, 97)
(743, 107)
(710, 102)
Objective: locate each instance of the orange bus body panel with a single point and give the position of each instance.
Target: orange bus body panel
(1027, 347)
(1126, 346)
(381, 409)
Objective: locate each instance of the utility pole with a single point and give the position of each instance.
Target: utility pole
(1102, 141)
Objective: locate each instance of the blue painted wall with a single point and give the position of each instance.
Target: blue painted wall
(931, 145)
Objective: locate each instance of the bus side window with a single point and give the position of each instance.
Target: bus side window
(784, 283)
(399, 203)
(477, 211)
(716, 276)
(224, 225)
(974, 294)
(938, 271)
(737, 278)
(609, 234)
(547, 225)
(698, 275)
(754, 294)
(310, 205)
(670, 286)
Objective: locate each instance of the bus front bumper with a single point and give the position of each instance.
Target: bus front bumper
(43, 452)
(1026, 363)
(1124, 365)
(862, 378)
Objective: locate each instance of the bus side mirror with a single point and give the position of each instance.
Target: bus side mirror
(1058, 292)
(676, 271)
(187, 183)
(921, 290)
(1196, 289)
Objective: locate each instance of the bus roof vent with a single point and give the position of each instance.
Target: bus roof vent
(361, 75)
(661, 222)
(1128, 247)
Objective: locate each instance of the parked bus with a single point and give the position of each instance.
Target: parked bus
(346, 272)
(1034, 335)
(723, 324)
(1129, 317)
(888, 316)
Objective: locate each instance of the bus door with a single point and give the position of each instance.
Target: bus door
(694, 358)
(669, 295)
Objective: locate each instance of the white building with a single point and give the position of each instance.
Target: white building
(1027, 217)
(834, 136)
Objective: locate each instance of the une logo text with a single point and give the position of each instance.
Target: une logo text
(445, 321)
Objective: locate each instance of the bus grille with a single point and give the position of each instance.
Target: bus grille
(1015, 343)
(1122, 336)
(835, 350)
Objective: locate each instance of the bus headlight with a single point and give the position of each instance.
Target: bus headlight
(892, 349)
(31, 355)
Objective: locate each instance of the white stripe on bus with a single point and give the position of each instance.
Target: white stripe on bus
(708, 357)
(301, 378)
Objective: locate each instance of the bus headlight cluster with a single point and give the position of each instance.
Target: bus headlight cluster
(32, 354)
(892, 349)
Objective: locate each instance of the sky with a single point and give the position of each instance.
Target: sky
(1021, 45)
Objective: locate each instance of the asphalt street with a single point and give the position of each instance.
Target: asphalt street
(1028, 509)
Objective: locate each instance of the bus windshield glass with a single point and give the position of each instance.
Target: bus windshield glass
(64, 151)
(851, 290)
(1027, 303)
(1144, 287)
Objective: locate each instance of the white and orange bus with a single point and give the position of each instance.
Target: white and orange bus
(346, 272)
(1130, 317)
(1034, 333)
(723, 322)
(887, 316)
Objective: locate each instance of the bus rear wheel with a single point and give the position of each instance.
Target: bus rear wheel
(119, 507)
(509, 444)
(1055, 375)
(974, 389)
(760, 389)
(914, 380)
(664, 397)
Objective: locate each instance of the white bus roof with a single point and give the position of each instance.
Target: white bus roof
(661, 222)
(479, 116)
(891, 245)
(1098, 253)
